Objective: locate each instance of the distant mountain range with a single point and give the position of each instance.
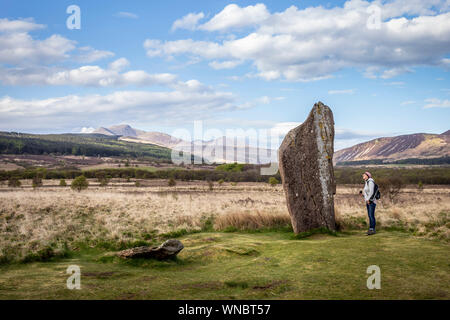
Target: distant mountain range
(127, 133)
(218, 150)
(386, 149)
(91, 145)
(391, 149)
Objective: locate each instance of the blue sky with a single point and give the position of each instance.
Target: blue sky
(381, 66)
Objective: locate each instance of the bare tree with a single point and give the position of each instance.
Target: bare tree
(391, 187)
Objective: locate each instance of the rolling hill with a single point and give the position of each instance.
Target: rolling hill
(217, 150)
(423, 148)
(127, 133)
(394, 149)
(78, 144)
(123, 140)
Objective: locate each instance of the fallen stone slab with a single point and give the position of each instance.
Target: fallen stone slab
(168, 249)
(306, 170)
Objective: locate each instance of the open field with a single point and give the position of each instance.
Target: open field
(237, 237)
(268, 265)
(20, 161)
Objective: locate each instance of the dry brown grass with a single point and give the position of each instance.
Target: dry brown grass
(425, 213)
(55, 217)
(252, 221)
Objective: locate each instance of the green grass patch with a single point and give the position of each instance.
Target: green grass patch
(307, 234)
(237, 284)
(177, 233)
(243, 265)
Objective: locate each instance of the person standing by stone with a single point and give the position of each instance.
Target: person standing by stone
(371, 202)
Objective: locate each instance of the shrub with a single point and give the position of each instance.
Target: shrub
(233, 167)
(220, 182)
(137, 183)
(13, 182)
(273, 181)
(210, 185)
(79, 183)
(37, 182)
(171, 182)
(62, 183)
(420, 186)
(390, 187)
(104, 182)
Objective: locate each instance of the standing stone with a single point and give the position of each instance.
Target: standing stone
(306, 169)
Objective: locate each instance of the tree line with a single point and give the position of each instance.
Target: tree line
(78, 144)
(248, 173)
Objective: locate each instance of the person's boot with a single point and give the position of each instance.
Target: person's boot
(371, 232)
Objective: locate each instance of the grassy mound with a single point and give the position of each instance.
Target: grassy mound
(243, 265)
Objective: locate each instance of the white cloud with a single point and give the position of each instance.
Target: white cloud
(446, 62)
(343, 137)
(233, 16)
(371, 72)
(230, 64)
(124, 14)
(405, 103)
(189, 21)
(239, 122)
(87, 130)
(340, 144)
(264, 100)
(346, 91)
(139, 77)
(168, 107)
(19, 48)
(88, 54)
(23, 25)
(119, 64)
(313, 43)
(411, 7)
(282, 128)
(209, 50)
(235, 78)
(436, 103)
(391, 73)
(22, 49)
(89, 75)
(259, 101)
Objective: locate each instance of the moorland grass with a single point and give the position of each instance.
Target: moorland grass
(243, 265)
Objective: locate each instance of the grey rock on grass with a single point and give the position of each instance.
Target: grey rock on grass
(168, 249)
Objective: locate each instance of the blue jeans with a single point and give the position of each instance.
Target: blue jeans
(371, 213)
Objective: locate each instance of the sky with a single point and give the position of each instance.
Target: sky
(381, 66)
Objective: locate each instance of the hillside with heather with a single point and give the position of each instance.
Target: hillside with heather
(391, 149)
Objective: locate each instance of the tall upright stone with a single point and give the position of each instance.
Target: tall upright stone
(306, 169)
